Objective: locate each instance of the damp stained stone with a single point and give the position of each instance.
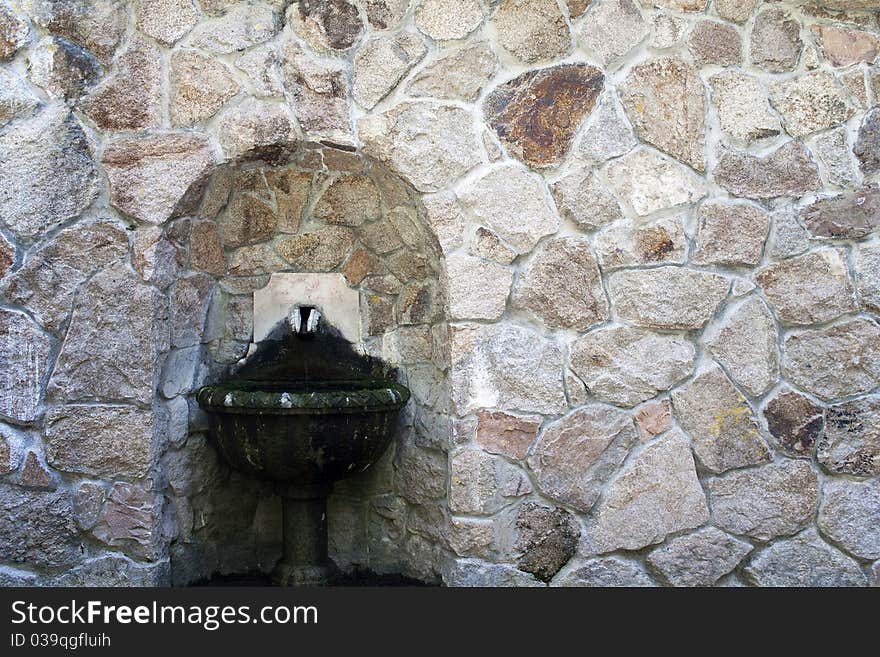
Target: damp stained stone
(386, 14)
(547, 538)
(867, 146)
(536, 114)
(531, 30)
(809, 289)
(777, 499)
(850, 444)
(246, 220)
(47, 175)
(562, 285)
(666, 103)
(795, 422)
(37, 528)
(653, 495)
(154, 177)
(720, 421)
(626, 366)
(850, 215)
(576, 455)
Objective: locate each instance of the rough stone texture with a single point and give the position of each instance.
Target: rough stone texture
(850, 516)
(736, 11)
(629, 242)
(101, 441)
(788, 236)
(34, 474)
(386, 14)
(319, 91)
(206, 249)
(327, 25)
(787, 171)
(24, 351)
(582, 198)
(809, 289)
(605, 133)
(577, 454)
(246, 220)
(803, 560)
(167, 21)
(257, 129)
(260, 65)
(842, 46)
(724, 431)
(678, 5)
(777, 499)
(478, 573)
(444, 20)
(850, 444)
(322, 249)
(97, 25)
(130, 98)
(482, 484)
(626, 366)
(486, 244)
(16, 98)
(14, 32)
(743, 110)
(190, 300)
(655, 494)
(536, 114)
(477, 289)
(113, 308)
(809, 103)
(381, 63)
(776, 43)
(605, 572)
(48, 279)
(349, 201)
(698, 559)
(868, 276)
(507, 434)
(505, 367)
(426, 143)
(61, 68)
(716, 43)
(459, 75)
(7, 257)
(666, 297)
(240, 27)
(129, 521)
(666, 102)
(151, 176)
(546, 539)
(669, 30)
(851, 215)
(867, 146)
(531, 30)
(46, 173)
(200, 85)
(37, 528)
(513, 203)
(836, 361)
(562, 287)
(654, 418)
(648, 181)
(612, 28)
(795, 422)
(730, 234)
(744, 342)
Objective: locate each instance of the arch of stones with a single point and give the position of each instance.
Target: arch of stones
(624, 253)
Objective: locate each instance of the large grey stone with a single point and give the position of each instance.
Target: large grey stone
(153, 177)
(850, 444)
(167, 21)
(851, 215)
(868, 276)
(605, 133)
(655, 494)
(667, 297)
(381, 63)
(585, 200)
(698, 559)
(850, 516)
(604, 572)
(199, 86)
(37, 528)
(514, 204)
(130, 520)
(562, 286)
(478, 289)
(430, 145)
(24, 352)
(724, 431)
(115, 570)
(626, 366)
(257, 129)
(648, 181)
(611, 29)
(804, 560)
(48, 279)
(61, 68)
(836, 361)
(46, 173)
(16, 98)
(744, 342)
(506, 367)
(531, 30)
(777, 499)
(787, 171)
(240, 27)
(116, 334)
(482, 484)
(810, 102)
(329, 25)
(97, 25)
(730, 234)
(775, 42)
(471, 572)
(459, 75)
(832, 150)
(743, 110)
(577, 454)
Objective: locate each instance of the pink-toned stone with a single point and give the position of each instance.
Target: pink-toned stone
(507, 434)
(654, 418)
(842, 46)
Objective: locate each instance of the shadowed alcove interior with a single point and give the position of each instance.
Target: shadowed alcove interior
(317, 209)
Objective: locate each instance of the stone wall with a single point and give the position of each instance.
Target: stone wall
(625, 253)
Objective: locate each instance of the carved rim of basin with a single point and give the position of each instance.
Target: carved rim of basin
(304, 397)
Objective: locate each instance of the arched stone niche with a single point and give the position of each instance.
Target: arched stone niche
(318, 209)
